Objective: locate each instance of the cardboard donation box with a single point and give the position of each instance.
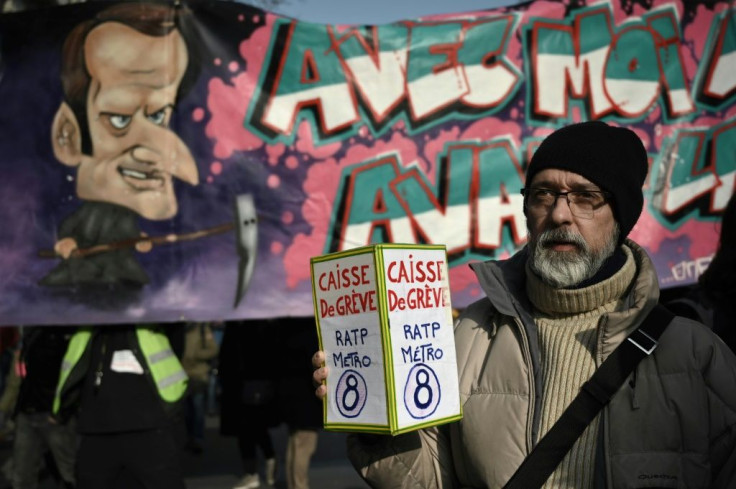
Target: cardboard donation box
(384, 321)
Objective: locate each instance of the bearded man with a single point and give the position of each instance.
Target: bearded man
(553, 313)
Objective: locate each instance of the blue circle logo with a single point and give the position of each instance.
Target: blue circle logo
(351, 394)
(422, 391)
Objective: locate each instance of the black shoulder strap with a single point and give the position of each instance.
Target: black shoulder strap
(594, 394)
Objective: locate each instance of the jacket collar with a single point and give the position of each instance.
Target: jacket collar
(634, 307)
(503, 281)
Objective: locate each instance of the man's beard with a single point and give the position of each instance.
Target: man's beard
(561, 269)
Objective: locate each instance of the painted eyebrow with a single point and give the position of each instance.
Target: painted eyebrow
(164, 107)
(108, 113)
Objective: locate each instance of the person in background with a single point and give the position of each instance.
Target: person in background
(301, 411)
(36, 431)
(9, 354)
(551, 315)
(199, 349)
(248, 401)
(125, 384)
(712, 300)
(11, 387)
(719, 280)
(213, 381)
(9, 341)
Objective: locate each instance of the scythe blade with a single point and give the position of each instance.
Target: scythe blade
(247, 244)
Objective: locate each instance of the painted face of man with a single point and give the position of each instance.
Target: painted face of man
(135, 156)
(568, 242)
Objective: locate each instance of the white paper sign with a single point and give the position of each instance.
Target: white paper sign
(422, 340)
(124, 361)
(385, 324)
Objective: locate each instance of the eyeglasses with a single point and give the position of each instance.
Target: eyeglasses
(582, 203)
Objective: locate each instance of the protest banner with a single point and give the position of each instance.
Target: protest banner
(384, 321)
(282, 140)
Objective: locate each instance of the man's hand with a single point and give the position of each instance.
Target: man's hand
(65, 247)
(143, 246)
(321, 371)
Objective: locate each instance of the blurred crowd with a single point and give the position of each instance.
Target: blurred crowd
(120, 406)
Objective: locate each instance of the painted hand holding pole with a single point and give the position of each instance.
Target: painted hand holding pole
(245, 224)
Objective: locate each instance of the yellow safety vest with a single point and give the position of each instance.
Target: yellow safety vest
(162, 363)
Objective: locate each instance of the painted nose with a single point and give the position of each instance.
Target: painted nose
(163, 149)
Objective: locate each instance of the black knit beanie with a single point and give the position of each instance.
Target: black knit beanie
(613, 158)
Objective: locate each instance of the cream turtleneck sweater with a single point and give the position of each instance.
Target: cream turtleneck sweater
(567, 321)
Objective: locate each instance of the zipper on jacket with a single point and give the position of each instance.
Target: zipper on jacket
(100, 365)
(526, 350)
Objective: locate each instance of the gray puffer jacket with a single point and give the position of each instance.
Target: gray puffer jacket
(672, 425)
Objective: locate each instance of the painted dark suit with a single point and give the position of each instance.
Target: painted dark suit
(92, 224)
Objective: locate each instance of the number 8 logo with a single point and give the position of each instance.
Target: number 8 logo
(351, 394)
(422, 391)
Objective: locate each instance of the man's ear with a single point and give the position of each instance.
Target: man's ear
(65, 137)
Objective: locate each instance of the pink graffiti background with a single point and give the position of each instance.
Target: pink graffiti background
(325, 163)
(296, 180)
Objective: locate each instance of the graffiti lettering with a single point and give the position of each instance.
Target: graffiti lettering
(691, 270)
(477, 198)
(696, 166)
(476, 208)
(420, 70)
(717, 85)
(616, 73)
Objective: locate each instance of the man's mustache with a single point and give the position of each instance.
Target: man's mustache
(560, 235)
